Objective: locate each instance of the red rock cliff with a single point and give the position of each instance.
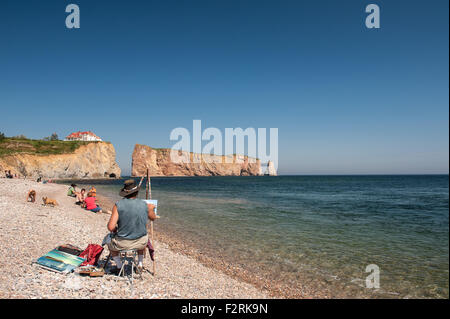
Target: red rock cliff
(159, 163)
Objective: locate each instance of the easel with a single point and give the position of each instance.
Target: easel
(148, 195)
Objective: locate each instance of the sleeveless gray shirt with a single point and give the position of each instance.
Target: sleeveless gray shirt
(133, 218)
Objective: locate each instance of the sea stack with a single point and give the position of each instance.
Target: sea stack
(271, 171)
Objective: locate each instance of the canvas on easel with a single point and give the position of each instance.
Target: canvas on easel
(153, 202)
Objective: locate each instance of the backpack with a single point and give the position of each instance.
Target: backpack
(92, 254)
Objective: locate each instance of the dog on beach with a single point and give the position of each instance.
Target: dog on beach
(31, 196)
(48, 201)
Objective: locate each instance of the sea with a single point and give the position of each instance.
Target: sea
(353, 236)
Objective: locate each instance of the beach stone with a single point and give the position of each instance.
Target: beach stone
(30, 230)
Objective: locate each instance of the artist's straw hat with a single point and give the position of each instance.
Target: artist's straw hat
(129, 187)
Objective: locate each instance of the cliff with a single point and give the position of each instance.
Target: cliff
(83, 160)
(159, 163)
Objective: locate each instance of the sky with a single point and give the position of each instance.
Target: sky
(345, 99)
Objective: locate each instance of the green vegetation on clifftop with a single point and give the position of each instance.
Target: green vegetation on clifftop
(13, 145)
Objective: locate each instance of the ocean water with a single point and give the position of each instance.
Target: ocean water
(320, 230)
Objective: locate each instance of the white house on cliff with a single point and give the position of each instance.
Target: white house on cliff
(82, 136)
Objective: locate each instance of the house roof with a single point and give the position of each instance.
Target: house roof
(81, 134)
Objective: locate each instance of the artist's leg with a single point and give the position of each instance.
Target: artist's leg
(117, 261)
(141, 250)
(115, 256)
(114, 251)
(141, 258)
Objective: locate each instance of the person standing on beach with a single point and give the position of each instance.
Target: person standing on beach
(128, 222)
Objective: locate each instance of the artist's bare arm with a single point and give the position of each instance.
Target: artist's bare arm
(112, 224)
(151, 212)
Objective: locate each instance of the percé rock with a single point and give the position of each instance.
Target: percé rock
(93, 160)
(159, 163)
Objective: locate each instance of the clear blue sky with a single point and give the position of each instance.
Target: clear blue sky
(346, 99)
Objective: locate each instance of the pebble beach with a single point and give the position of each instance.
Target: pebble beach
(30, 230)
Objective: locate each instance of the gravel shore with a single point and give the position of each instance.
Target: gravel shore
(29, 230)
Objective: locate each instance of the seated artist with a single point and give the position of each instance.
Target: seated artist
(128, 221)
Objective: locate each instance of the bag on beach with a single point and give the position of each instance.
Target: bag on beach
(92, 254)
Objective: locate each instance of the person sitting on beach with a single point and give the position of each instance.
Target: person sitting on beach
(80, 197)
(31, 196)
(91, 205)
(71, 191)
(128, 222)
(93, 191)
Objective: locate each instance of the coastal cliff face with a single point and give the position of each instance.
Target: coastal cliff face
(159, 163)
(93, 160)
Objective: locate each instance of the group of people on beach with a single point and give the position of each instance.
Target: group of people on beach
(8, 174)
(88, 201)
